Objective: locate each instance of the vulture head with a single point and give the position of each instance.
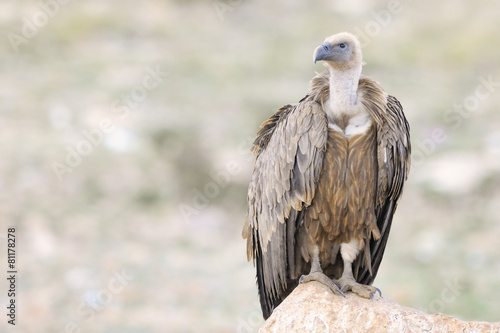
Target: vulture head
(340, 51)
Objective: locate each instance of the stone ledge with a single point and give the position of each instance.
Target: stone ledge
(312, 307)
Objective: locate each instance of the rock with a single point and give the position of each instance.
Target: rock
(312, 307)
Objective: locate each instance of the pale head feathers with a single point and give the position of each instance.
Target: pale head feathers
(341, 51)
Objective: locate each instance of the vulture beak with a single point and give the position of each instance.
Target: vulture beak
(322, 52)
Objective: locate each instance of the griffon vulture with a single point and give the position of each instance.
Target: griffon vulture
(328, 174)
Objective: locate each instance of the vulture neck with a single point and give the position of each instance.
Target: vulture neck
(343, 99)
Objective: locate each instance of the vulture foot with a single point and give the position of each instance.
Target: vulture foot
(322, 278)
(362, 290)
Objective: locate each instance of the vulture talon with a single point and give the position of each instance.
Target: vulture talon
(349, 283)
(320, 277)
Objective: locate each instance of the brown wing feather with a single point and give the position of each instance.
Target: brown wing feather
(289, 150)
(267, 128)
(394, 148)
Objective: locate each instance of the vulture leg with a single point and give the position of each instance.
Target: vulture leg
(316, 274)
(349, 252)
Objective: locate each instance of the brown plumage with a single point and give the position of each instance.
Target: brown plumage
(328, 175)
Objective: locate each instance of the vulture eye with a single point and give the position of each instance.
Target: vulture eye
(342, 45)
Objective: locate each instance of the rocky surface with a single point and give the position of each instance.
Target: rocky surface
(312, 307)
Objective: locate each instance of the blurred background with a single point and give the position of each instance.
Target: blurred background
(125, 139)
